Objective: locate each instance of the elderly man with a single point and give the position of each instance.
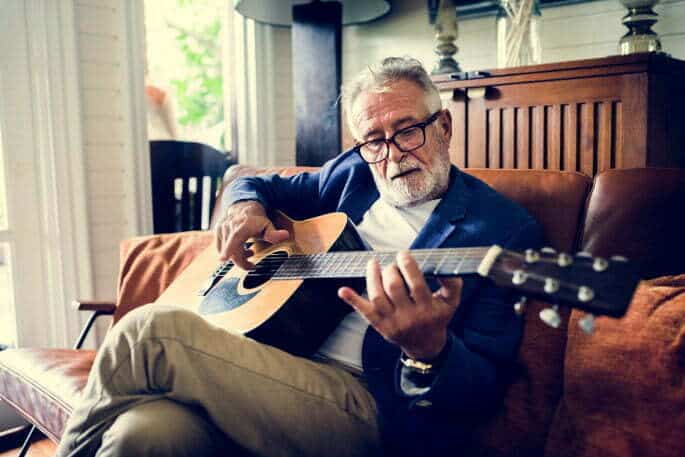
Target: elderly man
(406, 371)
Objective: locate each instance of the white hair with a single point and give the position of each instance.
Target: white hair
(378, 78)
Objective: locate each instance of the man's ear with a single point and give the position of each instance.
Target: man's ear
(445, 123)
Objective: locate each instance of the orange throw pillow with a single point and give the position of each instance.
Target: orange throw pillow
(624, 385)
(150, 263)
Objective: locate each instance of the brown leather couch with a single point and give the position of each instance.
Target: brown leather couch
(620, 391)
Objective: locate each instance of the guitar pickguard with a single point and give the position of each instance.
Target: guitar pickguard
(224, 297)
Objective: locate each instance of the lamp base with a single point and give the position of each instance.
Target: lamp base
(639, 20)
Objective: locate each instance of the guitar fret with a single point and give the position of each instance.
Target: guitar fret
(442, 260)
(445, 261)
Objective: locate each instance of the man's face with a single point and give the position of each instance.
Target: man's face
(404, 178)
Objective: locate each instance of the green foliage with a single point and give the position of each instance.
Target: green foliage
(199, 89)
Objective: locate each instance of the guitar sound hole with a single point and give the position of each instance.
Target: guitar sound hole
(265, 269)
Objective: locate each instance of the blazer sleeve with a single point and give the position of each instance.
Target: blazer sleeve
(306, 194)
(297, 196)
(470, 381)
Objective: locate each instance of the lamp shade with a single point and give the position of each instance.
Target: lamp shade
(280, 12)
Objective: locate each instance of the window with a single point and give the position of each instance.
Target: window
(185, 84)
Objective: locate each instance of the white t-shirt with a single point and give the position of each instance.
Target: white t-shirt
(383, 227)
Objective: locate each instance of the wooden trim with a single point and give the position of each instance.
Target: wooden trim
(654, 62)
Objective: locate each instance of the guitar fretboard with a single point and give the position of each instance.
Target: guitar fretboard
(352, 264)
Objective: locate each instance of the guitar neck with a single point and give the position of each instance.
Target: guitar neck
(352, 264)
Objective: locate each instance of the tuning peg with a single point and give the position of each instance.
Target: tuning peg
(600, 264)
(587, 324)
(585, 294)
(551, 317)
(520, 306)
(519, 277)
(618, 258)
(532, 256)
(548, 250)
(551, 285)
(564, 260)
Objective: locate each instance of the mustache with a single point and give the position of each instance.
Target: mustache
(395, 169)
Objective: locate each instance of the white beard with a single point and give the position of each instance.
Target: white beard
(428, 183)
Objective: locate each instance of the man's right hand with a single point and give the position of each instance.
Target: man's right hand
(245, 220)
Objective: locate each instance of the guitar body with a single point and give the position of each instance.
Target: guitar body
(295, 315)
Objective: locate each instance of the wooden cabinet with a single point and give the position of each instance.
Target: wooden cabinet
(587, 116)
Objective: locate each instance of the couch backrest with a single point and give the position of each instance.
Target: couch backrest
(639, 213)
(555, 198)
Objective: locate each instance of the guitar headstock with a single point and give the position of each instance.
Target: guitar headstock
(594, 284)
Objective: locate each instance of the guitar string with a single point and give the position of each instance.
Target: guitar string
(427, 264)
(447, 269)
(334, 262)
(316, 259)
(419, 255)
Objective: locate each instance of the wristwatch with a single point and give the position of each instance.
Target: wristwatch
(421, 367)
(416, 365)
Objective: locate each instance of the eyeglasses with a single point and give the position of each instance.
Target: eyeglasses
(406, 140)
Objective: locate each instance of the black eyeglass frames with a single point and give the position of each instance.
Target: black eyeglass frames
(406, 140)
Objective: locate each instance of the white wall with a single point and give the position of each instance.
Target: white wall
(109, 87)
(571, 32)
(98, 38)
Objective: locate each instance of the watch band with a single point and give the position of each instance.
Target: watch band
(416, 365)
(421, 367)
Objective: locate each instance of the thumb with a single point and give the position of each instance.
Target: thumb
(450, 291)
(273, 236)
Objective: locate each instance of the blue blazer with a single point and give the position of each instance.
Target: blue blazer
(485, 331)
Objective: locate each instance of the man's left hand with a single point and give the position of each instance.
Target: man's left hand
(402, 308)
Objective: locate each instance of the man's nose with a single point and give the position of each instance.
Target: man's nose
(394, 152)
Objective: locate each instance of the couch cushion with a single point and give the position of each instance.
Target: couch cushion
(44, 384)
(150, 263)
(650, 229)
(555, 198)
(624, 391)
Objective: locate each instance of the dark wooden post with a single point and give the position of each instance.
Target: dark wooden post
(316, 45)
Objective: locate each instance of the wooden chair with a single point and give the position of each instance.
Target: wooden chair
(185, 180)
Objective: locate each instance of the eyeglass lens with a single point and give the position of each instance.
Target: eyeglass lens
(406, 140)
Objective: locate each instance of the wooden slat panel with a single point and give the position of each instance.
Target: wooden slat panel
(509, 137)
(494, 138)
(604, 136)
(554, 135)
(570, 113)
(477, 128)
(538, 140)
(587, 138)
(635, 146)
(523, 137)
(618, 145)
(457, 106)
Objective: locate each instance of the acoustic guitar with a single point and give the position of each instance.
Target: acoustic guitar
(290, 300)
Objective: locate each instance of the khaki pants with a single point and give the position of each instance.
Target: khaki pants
(166, 382)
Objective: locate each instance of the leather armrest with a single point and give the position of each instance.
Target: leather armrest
(104, 307)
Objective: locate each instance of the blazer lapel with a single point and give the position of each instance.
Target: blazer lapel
(450, 210)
